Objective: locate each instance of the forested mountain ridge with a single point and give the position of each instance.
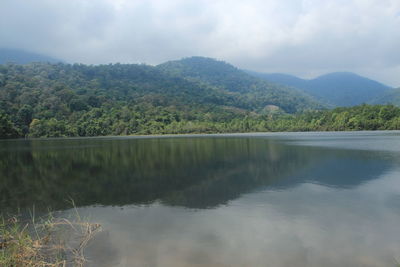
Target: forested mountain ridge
(337, 89)
(106, 99)
(60, 100)
(229, 78)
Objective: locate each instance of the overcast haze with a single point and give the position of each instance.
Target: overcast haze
(305, 38)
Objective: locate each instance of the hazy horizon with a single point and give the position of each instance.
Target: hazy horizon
(305, 38)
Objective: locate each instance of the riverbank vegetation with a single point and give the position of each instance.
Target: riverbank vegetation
(156, 120)
(46, 242)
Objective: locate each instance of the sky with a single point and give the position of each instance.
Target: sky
(306, 38)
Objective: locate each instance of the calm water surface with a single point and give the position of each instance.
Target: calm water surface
(298, 199)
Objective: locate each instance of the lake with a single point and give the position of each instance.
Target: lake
(276, 199)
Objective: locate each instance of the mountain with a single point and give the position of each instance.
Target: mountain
(43, 99)
(23, 57)
(389, 97)
(78, 87)
(221, 75)
(60, 100)
(280, 78)
(345, 89)
(337, 89)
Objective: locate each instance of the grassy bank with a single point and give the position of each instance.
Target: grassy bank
(44, 242)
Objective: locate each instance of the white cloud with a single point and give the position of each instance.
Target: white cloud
(303, 37)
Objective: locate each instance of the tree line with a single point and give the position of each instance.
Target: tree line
(62, 100)
(155, 120)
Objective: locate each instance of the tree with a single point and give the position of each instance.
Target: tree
(7, 128)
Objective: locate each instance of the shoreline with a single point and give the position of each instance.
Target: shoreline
(143, 136)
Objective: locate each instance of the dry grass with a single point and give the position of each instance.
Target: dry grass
(48, 242)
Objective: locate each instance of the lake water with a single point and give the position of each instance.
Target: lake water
(294, 199)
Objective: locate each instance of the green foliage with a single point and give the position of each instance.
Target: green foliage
(59, 100)
(255, 93)
(7, 128)
(363, 117)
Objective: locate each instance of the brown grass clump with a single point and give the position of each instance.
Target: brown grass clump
(52, 242)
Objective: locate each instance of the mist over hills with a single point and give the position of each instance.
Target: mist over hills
(389, 97)
(8, 55)
(336, 89)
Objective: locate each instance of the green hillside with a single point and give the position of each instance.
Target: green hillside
(60, 100)
(224, 76)
(108, 99)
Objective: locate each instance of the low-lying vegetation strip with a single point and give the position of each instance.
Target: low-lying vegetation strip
(158, 121)
(47, 242)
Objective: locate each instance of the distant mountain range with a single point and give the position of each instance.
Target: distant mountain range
(335, 89)
(23, 57)
(287, 92)
(389, 97)
(191, 95)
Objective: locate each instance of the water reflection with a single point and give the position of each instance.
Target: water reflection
(308, 225)
(264, 200)
(199, 172)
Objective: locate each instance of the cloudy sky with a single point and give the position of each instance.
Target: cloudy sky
(301, 37)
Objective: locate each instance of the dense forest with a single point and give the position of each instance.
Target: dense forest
(195, 95)
(261, 93)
